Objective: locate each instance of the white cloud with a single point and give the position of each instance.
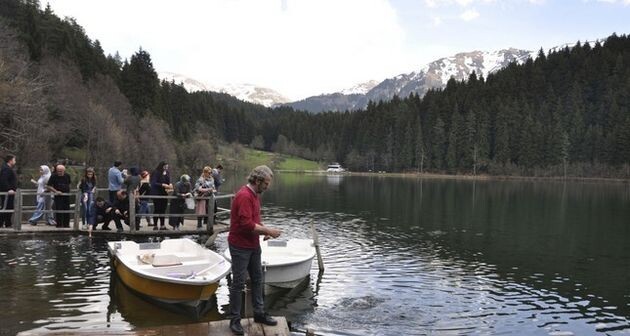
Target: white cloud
(437, 21)
(298, 48)
(469, 15)
(624, 2)
(462, 3)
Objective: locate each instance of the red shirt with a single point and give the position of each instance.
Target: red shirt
(244, 216)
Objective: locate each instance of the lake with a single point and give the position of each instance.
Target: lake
(403, 256)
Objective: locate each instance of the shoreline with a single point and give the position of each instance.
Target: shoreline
(466, 177)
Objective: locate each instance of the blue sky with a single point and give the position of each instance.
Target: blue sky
(308, 47)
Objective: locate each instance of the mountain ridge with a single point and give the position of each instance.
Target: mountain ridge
(245, 91)
(432, 75)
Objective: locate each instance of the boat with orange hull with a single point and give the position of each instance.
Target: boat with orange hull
(177, 271)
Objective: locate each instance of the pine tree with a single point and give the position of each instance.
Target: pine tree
(140, 82)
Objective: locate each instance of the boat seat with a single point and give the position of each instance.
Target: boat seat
(166, 260)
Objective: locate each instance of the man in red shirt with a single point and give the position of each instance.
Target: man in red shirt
(244, 244)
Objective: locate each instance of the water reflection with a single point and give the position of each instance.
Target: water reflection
(403, 256)
(141, 312)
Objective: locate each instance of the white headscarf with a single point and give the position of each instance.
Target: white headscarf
(42, 181)
(45, 176)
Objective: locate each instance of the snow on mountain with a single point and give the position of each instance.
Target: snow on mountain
(433, 75)
(246, 92)
(362, 88)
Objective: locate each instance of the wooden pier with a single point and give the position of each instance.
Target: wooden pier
(215, 328)
(213, 227)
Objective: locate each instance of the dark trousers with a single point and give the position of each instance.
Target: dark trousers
(6, 217)
(246, 261)
(105, 219)
(112, 196)
(62, 203)
(159, 207)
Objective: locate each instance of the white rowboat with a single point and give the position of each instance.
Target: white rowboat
(285, 262)
(178, 271)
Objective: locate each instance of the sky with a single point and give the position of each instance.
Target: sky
(302, 48)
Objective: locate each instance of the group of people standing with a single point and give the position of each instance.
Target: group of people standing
(53, 188)
(122, 183)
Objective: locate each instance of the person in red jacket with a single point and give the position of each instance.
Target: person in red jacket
(244, 244)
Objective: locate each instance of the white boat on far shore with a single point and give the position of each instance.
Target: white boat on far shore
(335, 168)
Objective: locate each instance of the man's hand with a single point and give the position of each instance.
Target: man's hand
(274, 233)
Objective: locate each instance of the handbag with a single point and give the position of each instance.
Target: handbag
(190, 203)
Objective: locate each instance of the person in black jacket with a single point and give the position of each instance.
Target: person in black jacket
(120, 211)
(59, 183)
(8, 184)
(102, 213)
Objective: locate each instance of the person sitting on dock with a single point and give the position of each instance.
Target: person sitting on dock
(101, 213)
(120, 211)
(244, 244)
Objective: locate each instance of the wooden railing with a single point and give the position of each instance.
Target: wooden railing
(19, 209)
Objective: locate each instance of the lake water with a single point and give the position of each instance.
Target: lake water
(403, 256)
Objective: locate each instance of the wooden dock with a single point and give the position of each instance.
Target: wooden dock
(215, 328)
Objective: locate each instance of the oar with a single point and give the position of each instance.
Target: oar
(194, 274)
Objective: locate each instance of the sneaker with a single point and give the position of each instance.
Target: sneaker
(32, 223)
(106, 228)
(163, 228)
(119, 230)
(155, 228)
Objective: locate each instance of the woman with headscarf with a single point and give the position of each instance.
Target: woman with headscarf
(183, 190)
(44, 202)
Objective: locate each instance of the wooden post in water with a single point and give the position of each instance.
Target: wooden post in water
(77, 209)
(17, 210)
(132, 211)
(320, 261)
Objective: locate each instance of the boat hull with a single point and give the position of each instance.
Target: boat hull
(166, 292)
(287, 276)
(285, 263)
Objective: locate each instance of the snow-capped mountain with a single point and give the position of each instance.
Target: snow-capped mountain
(246, 92)
(362, 88)
(433, 75)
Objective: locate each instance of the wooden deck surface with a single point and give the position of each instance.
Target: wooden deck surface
(215, 328)
(189, 227)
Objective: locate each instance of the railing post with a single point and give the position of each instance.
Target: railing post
(210, 214)
(77, 210)
(132, 211)
(17, 209)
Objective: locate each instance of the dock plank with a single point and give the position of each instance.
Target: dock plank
(215, 328)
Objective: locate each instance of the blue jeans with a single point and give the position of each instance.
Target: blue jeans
(45, 204)
(144, 210)
(244, 261)
(87, 208)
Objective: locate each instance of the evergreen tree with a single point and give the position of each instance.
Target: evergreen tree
(140, 82)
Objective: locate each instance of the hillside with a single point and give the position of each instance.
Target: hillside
(564, 113)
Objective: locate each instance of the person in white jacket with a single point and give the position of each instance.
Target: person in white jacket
(44, 201)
